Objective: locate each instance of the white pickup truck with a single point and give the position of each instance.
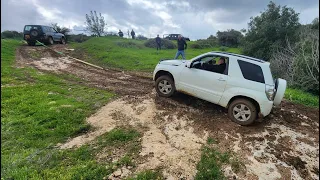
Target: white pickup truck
(246, 86)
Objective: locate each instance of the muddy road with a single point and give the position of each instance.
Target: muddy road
(284, 145)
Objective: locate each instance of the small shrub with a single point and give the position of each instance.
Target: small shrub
(165, 44)
(202, 44)
(79, 38)
(141, 37)
(195, 46)
(223, 48)
(128, 44)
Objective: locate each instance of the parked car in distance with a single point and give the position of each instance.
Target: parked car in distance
(174, 37)
(246, 86)
(45, 34)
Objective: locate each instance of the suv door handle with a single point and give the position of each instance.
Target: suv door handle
(221, 79)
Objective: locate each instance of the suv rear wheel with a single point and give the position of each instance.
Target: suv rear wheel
(242, 111)
(50, 41)
(165, 86)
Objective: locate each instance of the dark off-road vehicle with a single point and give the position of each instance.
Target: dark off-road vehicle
(174, 37)
(44, 34)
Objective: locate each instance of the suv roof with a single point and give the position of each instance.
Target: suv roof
(242, 56)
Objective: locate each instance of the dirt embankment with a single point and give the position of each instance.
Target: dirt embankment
(285, 145)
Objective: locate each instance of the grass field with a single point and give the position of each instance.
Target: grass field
(131, 54)
(39, 110)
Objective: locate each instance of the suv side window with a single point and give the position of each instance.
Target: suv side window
(251, 71)
(44, 29)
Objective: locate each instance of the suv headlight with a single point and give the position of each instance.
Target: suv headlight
(270, 92)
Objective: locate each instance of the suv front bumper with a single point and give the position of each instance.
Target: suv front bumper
(265, 108)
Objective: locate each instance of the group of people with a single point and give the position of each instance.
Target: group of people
(133, 34)
(182, 45)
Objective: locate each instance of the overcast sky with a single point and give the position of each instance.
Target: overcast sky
(192, 18)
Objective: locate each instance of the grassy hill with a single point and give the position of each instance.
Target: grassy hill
(130, 54)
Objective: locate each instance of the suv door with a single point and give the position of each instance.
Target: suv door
(201, 83)
(55, 34)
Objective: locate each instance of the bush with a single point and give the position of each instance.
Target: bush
(11, 35)
(128, 44)
(298, 63)
(223, 48)
(202, 44)
(165, 44)
(196, 46)
(79, 38)
(141, 37)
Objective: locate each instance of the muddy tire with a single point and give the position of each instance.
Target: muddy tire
(63, 40)
(242, 111)
(165, 86)
(31, 43)
(50, 41)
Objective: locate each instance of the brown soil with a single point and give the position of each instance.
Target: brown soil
(284, 145)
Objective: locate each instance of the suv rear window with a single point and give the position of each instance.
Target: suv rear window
(28, 28)
(251, 71)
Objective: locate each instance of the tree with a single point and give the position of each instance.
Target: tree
(270, 30)
(59, 29)
(230, 38)
(95, 24)
(315, 23)
(11, 34)
(299, 63)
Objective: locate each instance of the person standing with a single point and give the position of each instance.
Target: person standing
(158, 41)
(133, 34)
(120, 33)
(182, 45)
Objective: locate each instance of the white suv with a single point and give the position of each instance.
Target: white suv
(245, 87)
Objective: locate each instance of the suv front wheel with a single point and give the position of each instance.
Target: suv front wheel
(50, 41)
(242, 111)
(63, 41)
(165, 86)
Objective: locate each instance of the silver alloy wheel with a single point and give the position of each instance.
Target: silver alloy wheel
(241, 112)
(164, 87)
(63, 41)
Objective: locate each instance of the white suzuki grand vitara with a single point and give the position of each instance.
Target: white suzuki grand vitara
(245, 86)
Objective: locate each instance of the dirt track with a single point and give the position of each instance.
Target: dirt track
(285, 145)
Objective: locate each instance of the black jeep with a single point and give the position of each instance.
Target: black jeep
(44, 34)
(174, 37)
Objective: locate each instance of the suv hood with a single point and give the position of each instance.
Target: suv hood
(172, 62)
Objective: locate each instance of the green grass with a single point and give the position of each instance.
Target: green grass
(210, 164)
(148, 175)
(128, 54)
(212, 160)
(39, 110)
(302, 97)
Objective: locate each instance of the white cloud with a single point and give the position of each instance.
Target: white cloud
(196, 19)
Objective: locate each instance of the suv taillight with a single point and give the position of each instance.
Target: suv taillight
(270, 92)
